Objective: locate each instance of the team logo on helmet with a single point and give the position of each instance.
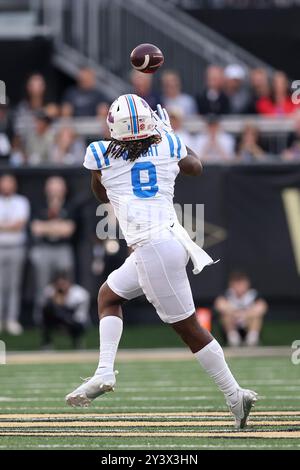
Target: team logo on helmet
(110, 117)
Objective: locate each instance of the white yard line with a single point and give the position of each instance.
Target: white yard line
(159, 414)
(152, 446)
(146, 399)
(38, 357)
(121, 409)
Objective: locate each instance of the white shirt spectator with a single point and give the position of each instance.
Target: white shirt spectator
(221, 148)
(176, 120)
(186, 103)
(5, 147)
(13, 209)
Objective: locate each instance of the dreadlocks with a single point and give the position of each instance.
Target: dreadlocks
(134, 149)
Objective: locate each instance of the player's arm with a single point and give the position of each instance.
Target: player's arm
(97, 187)
(191, 165)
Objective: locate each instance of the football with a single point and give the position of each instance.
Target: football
(146, 58)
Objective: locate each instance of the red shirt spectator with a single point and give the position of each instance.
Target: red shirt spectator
(280, 102)
(266, 105)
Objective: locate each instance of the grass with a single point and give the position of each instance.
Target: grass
(158, 404)
(274, 333)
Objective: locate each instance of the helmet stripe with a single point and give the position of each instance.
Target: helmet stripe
(133, 114)
(136, 113)
(131, 122)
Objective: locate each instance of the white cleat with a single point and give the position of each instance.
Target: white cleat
(241, 409)
(90, 389)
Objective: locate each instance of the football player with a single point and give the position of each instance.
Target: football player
(136, 170)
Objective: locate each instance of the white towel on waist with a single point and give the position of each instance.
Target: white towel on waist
(198, 256)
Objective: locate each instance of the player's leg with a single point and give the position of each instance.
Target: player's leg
(208, 353)
(121, 285)
(110, 328)
(162, 271)
(162, 275)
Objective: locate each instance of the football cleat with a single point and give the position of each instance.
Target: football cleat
(91, 388)
(241, 409)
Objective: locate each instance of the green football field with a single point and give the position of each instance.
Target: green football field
(158, 404)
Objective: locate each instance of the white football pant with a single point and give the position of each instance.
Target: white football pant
(158, 270)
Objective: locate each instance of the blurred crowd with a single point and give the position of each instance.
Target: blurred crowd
(44, 237)
(38, 131)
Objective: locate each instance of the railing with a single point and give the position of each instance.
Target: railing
(103, 32)
(233, 124)
(274, 131)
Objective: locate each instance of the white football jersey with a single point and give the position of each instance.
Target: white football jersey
(141, 192)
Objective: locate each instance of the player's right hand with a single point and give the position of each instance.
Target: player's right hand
(162, 119)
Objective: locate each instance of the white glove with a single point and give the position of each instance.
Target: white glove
(162, 119)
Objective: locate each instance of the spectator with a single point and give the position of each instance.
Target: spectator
(65, 305)
(52, 229)
(241, 311)
(260, 85)
(292, 153)
(279, 103)
(14, 215)
(142, 86)
(83, 99)
(104, 131)
(249, 149)
(38, 143)
(34, 101)
(176, 119)
(68, 147)
(237, 91)
(103, 110)
(213, 99)
(5, 131)
(173, 97)
(214, 145)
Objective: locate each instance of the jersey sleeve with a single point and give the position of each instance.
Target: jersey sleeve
(90, 161)
(95, 158)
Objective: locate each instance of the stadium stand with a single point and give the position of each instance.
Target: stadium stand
(231, 101)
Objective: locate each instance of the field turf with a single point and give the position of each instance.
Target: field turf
(158, 404)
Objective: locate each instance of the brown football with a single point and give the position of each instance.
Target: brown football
(146, 58)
